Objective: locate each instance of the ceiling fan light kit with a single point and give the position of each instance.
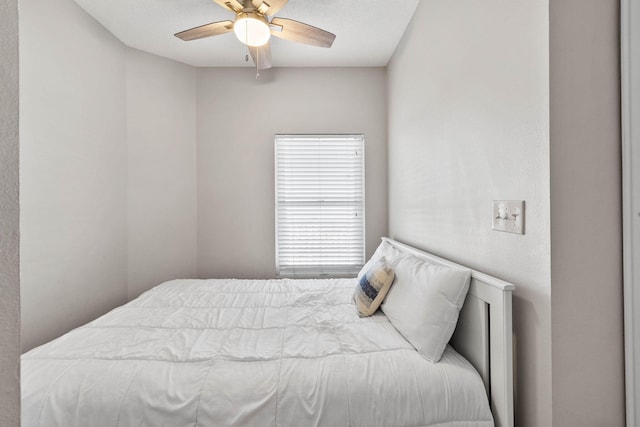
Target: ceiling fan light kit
(253, 28)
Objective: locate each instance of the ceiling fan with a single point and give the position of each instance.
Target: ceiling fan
(253, 27)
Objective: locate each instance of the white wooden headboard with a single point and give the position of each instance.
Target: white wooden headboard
(484, 334)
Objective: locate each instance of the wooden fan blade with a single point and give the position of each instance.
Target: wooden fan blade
(232, 5)
(206, 30)
(302, 33)
(269, 7)
(261, 56)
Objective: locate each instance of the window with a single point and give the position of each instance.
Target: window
(319, 204)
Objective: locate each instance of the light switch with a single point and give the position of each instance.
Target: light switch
(508, 215)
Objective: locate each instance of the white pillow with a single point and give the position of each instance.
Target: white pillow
(384, 249)
(424, 303)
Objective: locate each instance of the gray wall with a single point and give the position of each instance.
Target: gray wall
(73, 169)
(107, 170)
(468, 124)
(586, 263)
(9, 219)
(237, 118)
(161, 186)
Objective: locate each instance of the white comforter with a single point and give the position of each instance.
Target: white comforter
(245, 353)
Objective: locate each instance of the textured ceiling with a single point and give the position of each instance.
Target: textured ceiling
(367, 31)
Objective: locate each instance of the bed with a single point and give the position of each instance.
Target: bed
(272, 353)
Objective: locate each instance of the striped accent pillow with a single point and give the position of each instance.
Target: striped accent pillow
(373, 287)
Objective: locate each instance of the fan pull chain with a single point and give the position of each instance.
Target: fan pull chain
(257, 62)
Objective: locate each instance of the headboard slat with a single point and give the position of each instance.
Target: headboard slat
(471, 337)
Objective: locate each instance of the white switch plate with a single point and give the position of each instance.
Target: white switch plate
(508, 215)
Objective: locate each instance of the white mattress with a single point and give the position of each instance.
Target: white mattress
(246, 353)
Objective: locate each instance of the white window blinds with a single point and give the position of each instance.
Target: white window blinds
(319, 204)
